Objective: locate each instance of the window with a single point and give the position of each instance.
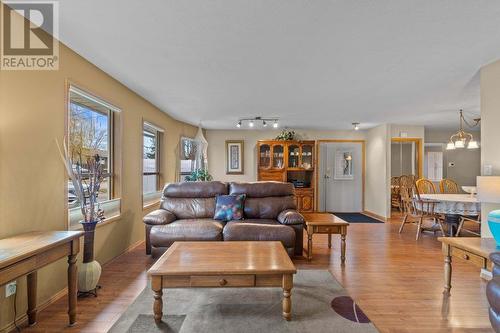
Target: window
(435, 165)
(151, 136)
(189, 151)
(90, 132)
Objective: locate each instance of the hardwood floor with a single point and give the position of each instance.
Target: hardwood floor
(396, 280)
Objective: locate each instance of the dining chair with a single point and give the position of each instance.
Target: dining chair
(448, 186)
(425, 186)
(417, 210)
(474, 220)
(395, 196)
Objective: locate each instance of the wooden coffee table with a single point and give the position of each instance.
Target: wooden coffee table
(223, 265)
(325, 223)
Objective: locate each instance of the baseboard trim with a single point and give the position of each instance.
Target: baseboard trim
(23, 319)
(127, 250)
(375, 216)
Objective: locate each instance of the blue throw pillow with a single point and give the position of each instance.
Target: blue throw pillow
(229, 207)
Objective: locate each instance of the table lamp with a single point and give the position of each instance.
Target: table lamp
(488, 191)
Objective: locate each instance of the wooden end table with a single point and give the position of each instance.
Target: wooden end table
(474, 250)
(223, 265)
(25, 254)
(325, 223)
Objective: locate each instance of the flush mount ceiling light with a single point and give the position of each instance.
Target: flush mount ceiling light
(252, 122)
(356, 126)
(463, 139)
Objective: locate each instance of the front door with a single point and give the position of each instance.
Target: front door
(340, 177)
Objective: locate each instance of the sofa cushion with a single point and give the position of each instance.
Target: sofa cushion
(194, 189)
(267, 208)
(259, 230)
(190, 208)
(186, 230)
(229, 207)
(262, 189)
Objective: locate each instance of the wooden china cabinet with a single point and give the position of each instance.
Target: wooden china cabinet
(289, 161)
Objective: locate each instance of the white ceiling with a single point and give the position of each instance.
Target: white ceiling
(313, 63)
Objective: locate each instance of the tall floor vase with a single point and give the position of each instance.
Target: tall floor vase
(90, 271)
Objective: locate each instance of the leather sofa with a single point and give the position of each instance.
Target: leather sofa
(493, 292)
(187, 209)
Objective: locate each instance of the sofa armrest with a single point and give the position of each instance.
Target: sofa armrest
(495, 258)
(290, 216)
(158, 217)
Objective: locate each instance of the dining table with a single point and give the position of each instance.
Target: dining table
(453, 207)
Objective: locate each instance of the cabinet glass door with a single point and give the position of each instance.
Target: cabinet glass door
(278, 156)
(265, 156)
(307, 156)
(293, 156)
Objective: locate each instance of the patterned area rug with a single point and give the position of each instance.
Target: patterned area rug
(319, 304)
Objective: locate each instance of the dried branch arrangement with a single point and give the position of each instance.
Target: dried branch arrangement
(86, 183)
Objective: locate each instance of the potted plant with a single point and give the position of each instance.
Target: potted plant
(286, 135)
(199, 175)
(87, 182)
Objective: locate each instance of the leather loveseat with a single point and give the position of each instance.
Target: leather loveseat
(187, 210)
(493, 292)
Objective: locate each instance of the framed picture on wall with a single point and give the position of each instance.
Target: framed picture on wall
(234, 157)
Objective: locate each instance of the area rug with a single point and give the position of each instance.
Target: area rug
(356, 218)
(319, 304)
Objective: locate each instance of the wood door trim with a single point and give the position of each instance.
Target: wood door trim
(363, 168)
(420, 152)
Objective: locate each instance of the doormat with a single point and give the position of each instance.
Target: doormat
(356, 218)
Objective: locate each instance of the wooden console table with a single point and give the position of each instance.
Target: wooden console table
(325, 223)
(26, 253)
(474, 250)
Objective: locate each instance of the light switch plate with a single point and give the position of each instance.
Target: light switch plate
(10, 288)
(487, 170)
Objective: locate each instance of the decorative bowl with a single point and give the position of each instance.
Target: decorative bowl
(494, 224)
(470, 189)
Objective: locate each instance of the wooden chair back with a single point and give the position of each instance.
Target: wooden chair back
(395, 196)
(448, 186)
(425, 186)
(407, 191)
(407, 198)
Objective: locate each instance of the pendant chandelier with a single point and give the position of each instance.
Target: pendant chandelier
(463, 139)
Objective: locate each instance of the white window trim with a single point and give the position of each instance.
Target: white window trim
(111, 207)
(97, 100)
(152, 198)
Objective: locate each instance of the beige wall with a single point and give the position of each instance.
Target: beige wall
(490, 135)
(467, 162)
(377, 193)
(32, 178)
(378, 160)
(217, 156)
(412, 131)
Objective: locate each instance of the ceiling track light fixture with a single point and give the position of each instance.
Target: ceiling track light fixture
(252, 122)
(356, 126)
(463, 139)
